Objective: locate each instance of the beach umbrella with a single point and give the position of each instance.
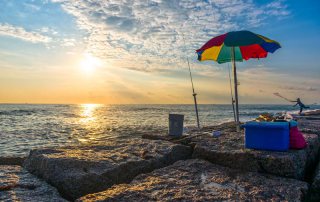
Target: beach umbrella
(237, 46)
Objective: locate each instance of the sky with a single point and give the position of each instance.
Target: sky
(133, 52)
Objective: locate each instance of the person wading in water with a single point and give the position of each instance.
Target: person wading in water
(301, 105)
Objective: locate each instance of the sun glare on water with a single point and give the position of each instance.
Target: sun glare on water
(89, 63)
(87, 112)
(89, 121)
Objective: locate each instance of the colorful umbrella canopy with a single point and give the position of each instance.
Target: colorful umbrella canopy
(246, 45)
(236, 46)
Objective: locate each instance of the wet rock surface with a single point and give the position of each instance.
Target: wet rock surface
(11, 160)
(199, 180)
(77, 171)
(16, 184)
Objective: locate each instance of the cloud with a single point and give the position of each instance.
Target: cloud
(277, 8)
(133, 31)
(68, 42)
(32, 7)
(299, 88)
(21, 33)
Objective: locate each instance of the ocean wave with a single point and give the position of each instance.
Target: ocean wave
(19, 112)
(70, 115)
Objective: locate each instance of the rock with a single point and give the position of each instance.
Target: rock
(309, 126)
(8, 160)
(192, 133)
(77, 171)
(314, 194)
(312, 152)
(228, 150)
(199, 180)
(16, 184)
(162, 136)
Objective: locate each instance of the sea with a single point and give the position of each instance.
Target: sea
(28, 126)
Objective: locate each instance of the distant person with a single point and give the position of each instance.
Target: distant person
(301, 105)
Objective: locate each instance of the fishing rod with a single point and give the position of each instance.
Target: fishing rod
(279, 95)
(194, 94)
(232, 99)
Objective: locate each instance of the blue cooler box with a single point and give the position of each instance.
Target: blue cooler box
(267, 135)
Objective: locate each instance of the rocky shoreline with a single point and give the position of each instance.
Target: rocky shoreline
(16, 184)
(157, 167)
(199, 180)
(77, 171)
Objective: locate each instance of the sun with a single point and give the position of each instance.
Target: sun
(89, 63)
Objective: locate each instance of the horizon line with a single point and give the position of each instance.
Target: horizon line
(26, 103)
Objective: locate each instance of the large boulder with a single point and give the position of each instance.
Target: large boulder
(315, 186)
(16, 184)
(228, 150)
(77, 171)
(199, 180)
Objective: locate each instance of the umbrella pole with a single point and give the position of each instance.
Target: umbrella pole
(235, 88)
(232, 100)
